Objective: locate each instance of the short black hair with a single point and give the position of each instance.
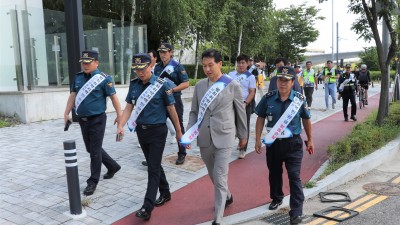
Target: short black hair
(242, 57)
(308, 62)
(278, 60)
(212, 53)
(329, 61)
(155, 55)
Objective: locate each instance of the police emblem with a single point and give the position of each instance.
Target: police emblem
(169, 92)
(110, 84)
(162, 46)
(85, 55)
(285, 70)
(138, 60)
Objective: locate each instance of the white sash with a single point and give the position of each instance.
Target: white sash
(283, 122)
(286, 133)
(143, 100)
(207, 99)
(88, 87)
(351, 78)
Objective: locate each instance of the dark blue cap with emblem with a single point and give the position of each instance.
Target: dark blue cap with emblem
(165, 47)
(88, 56)
(286, 72)
(140, 61)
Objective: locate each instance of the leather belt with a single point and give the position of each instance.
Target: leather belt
(87, 118)
(149, 126)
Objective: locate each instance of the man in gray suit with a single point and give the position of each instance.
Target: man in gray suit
(224, 118)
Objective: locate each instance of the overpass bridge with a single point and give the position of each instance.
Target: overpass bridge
(322, 58)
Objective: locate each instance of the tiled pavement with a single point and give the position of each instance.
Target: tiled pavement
(33, 187)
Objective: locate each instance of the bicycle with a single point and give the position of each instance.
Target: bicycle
(361, 97)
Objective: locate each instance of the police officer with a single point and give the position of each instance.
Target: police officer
(347, 90)
(179, 76)
(89, 91)
(151, 129)
(285, 149)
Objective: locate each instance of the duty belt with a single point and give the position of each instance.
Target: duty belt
(87, 118)
(149, 126)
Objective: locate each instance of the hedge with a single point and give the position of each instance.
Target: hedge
(376, 75)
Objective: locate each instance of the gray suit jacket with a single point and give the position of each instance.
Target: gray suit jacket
(224, 118)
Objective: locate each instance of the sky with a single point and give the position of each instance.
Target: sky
(347, 38)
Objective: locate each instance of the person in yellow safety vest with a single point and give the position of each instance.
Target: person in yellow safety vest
(330, 75)
(297, 70)
(278, 63)
(310, 81)
(260, 79)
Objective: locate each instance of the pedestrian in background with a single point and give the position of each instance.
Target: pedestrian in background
(347, 90)
(309, 82)
(176, 72)
(330, 74)
(88, 96)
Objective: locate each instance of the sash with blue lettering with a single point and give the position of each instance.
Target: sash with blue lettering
(205, 102)
(166, 73)
(279, 129)
(87, 88)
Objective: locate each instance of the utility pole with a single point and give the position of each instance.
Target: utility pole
(337, 44)
(332, 35)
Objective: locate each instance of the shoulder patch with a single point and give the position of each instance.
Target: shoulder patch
(110, 84)
(300, 95)
(269, 94)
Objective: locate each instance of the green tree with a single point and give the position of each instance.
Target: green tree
(370, 13)
(370, 58)
(296, 30)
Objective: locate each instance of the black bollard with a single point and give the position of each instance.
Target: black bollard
(71, 166)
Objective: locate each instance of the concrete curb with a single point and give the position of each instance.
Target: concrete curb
(339, 177)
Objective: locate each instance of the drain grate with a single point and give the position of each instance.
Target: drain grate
(383, 188)
(278, 219)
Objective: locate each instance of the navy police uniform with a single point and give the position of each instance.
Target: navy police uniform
(177, 76)
(152, 133)
(92, 120)
(348, 93)
(285, 150)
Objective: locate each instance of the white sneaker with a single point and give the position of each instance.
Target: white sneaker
(242, 154)
(138, 145)
(173, 140)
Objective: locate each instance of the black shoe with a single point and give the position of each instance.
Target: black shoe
(110, 173)
(229, 201)
(366, 102)
(180, 160)
(346, 119)
(296, 219)
(353, 118)
(144, 163)
(214, 223)
(162, 199)
(89, 190)
(143, 213)
(274, 204)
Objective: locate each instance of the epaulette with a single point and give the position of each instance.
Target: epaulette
(269, 94)
(134, 79)
(300, 95)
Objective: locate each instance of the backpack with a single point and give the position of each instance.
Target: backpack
(363, 76)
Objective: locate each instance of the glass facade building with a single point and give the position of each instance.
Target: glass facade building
(33, 49)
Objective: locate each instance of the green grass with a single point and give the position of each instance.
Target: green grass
(364, 139)
(6, 121)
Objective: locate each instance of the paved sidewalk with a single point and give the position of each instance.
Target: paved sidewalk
(33, 188)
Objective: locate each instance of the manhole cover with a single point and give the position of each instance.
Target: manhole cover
(192, 163)
(383, 188)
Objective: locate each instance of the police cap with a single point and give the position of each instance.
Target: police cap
(165, 47)
(88, 56)
(140, 61)
(286, 72)
(348, 66)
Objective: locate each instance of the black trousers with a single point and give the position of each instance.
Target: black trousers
(93, 134)
(308, 92)
(346, 97)
(152, 141)
(290, 152)
(179, 111)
